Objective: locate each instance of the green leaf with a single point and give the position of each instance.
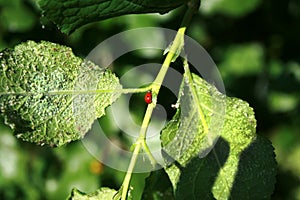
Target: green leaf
(71, 14)
(253, 173)
(103, 194)
(242, 60)
(196, 124)
(47, 94)
(240, 164)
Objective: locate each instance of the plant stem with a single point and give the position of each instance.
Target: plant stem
(155, 86)
(173, 53)
(140, 142)
(131, 166)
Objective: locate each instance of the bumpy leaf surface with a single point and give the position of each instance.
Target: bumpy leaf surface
(46, 92)
(196, 124)
(71, 14)
(240, 164)
(102, 193)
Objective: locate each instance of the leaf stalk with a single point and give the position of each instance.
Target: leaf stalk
(174, 51)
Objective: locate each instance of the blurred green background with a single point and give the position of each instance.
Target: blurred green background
(255, 44)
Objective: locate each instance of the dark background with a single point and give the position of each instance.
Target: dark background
(255, 44)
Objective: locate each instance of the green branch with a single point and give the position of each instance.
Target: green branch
(173, 53)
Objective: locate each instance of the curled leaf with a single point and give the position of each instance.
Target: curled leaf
(47, 94)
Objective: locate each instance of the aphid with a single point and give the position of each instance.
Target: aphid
(148, 97)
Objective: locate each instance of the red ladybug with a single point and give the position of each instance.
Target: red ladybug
(148, 97)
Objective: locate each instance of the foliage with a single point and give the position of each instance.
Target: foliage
(103, 193)
(220, 168)
(253, 47)
(34, 89)
(71, 14)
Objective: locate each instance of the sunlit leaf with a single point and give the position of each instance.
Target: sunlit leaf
(239, 164)
(196, 125)
(71, 14)
(47, 94)
(102, 193)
